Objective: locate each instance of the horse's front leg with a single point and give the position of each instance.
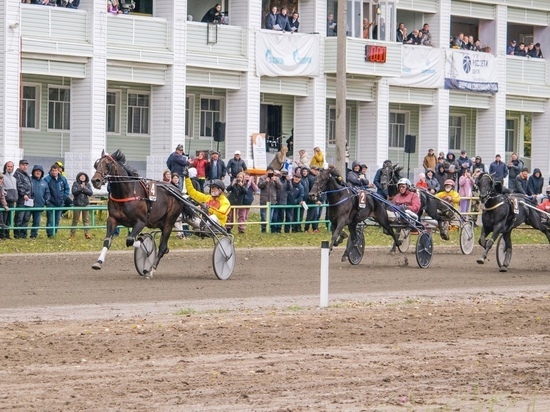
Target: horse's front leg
(488, 245)
(111, 226)
(136, 230)
(337, 235)
(507, 237)
(482, 235)
(351, 241)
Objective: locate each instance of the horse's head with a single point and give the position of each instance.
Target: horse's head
(106, 166)
(486, 185)
(322, 181)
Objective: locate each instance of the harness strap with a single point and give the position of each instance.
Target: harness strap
(495, 206)
(126, 199)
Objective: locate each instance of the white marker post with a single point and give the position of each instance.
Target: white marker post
(324, 273)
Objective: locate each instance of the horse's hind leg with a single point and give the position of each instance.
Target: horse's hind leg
(131, 238)
(507, 237)
(111, 226)
(163, 249)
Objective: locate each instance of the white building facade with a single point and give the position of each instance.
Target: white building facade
(76, 82)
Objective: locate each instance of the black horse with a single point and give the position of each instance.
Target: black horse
(501, 213)
(134, 203)
(345, 209)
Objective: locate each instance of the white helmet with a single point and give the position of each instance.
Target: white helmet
(404, 181)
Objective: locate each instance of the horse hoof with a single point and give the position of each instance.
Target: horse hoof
(96, 266)
(148, 274)
(129, 241)
(445, 236)
(480, 261)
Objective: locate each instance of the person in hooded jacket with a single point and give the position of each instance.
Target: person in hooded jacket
(10, 187)
(24, 191)
(81, 190)
(450, 160)
(433, 183)
(441, 175)
(478, 164)
(353, 177)
(41, 193)
(535, 183)
(59, 191)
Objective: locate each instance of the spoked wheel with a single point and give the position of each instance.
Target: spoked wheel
(146, 254)
(356, 252)
(223, 258)
(405, 238)
(467, 238)
(502, 254)
(424, 250)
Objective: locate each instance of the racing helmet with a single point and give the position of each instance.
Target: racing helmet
(217, 183)
(404, 181)
(449, 182)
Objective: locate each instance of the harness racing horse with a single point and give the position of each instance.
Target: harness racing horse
(502, 213)
(131, 204)
(344, 209)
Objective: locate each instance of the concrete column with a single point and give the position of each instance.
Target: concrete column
(243, 105)
(168, 100)
(434, 125)
(88, 103)
(372, 139)
(10, 69)
(491, 123)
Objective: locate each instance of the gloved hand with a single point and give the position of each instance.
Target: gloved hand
(404, 207)
(185, 172)
(204, 207)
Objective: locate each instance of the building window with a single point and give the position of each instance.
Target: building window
(138, 113)
(59, 108)
(210, 114)
(189, 115)
(113, 112)
(398, 127)
(511, 134)
(456, 132)
(332, 125)
(30, 104)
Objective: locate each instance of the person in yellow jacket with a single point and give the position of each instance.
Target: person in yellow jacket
(449, 194)
(318, 158)
(217, 202)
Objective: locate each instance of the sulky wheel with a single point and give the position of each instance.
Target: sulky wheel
(223, 258)
(467, 238)
(502, 255)
(424, 250)
(146, 254)
(405, 238)
(356, 252)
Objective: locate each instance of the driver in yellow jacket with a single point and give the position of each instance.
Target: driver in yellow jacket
(217, 202)
(449, 194)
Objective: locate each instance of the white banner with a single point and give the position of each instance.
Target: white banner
(287, 54)
(470, 71)
(259, 150)
(421, 66)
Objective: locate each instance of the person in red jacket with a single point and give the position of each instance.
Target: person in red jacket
(200, 162)
(545, 206)
(407, 199)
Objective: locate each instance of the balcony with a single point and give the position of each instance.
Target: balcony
(356, 64)
(527, 77)
(229, 51)
(55, 31)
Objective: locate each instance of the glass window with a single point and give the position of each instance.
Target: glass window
(113, 112)
(397, 130)
(332, 124)
(59, 108)
(456, 131)
(189, 115)
(138, 113)
(30, 104)
(511, 133)
(210, 114)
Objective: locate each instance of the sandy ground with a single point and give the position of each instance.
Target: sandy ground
(457, 336)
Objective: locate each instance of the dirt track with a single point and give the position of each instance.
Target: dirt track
(457, 336)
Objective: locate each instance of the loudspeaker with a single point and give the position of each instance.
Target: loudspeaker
(219, 131)
(410, 143)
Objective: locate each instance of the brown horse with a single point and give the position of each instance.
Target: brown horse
(132, 203)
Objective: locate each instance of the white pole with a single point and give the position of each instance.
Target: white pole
(324, 273)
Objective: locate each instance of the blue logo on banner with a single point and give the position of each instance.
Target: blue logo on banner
(300, 60)
(272, 59)
(467, 64)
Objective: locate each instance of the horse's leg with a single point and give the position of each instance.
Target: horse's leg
(337, 235)
(351, 241)
(507, 237)
(482, 235)
(163, 248)
(136, 230)
(111, 226)
(489, 243)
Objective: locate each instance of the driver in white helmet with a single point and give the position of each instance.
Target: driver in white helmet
(406, 199)
(216, 202)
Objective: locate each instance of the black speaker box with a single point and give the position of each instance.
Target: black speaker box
(410, 143)
(219, 131)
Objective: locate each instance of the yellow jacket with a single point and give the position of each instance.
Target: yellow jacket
(318, 160)
(218, 206)
(450, 197)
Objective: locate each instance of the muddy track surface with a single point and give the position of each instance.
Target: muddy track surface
(456, 336)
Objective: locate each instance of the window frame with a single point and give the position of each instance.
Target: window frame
(118, 108)
(190, 116)
(515, 130)
(38, 97)
(149, 110)
(331, 141)
(407, 115)
(221, 100)
(461, 143)
(59, 87)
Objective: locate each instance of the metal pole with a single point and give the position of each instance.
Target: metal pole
(324, 274)
(341, 91)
